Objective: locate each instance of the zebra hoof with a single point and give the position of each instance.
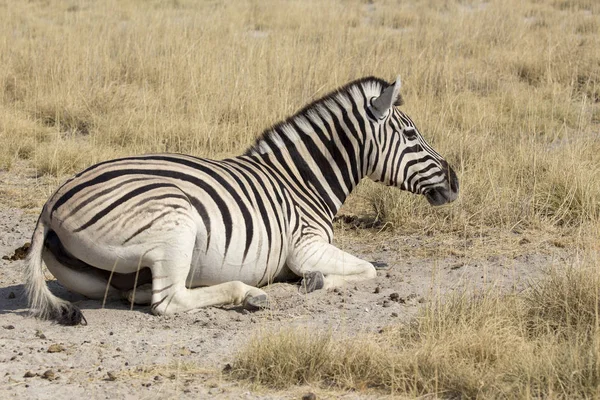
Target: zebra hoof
(312, 281)
(255, 303)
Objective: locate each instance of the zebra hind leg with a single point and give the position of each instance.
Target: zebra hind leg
(169, 294)
(141, 295)
(169, 297)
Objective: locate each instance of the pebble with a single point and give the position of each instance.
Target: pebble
(309, 396)
(50, 375)
(28, 374)
(8, 327)
(55, 348)
(394, 314)
(377, 290)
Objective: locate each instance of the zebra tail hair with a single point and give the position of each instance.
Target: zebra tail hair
(42, 302)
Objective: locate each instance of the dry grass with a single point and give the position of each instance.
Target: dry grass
(543, 343)
(509, 90)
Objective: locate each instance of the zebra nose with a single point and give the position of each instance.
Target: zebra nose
(452, 182)
(451, 177)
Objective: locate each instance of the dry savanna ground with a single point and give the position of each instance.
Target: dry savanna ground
(508, 91)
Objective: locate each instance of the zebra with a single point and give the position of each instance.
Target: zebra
(178, 232)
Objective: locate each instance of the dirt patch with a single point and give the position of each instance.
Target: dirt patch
(126, 353)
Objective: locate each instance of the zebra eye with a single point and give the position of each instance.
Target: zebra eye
(410, 133)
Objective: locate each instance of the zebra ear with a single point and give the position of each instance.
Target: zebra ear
(390, 97)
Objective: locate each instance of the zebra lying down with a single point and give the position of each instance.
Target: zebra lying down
(179, 233)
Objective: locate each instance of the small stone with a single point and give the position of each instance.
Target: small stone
(40, 334)
(55, 348)
(309, 396)
(386, 303)
(377, 290)
(394, 314)
(227, 368)
(28, 374)
(111, 376)
(158, 378)
(49, 374)
(395, 296)
(421, 300)
(9, 327)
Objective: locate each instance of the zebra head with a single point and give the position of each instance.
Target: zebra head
(402, 158)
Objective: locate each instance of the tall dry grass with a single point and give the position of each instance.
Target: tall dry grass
(508, 91)
(543, 343)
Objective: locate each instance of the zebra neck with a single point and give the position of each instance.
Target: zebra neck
(317, 177)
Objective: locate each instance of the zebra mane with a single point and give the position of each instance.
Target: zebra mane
(342, 94)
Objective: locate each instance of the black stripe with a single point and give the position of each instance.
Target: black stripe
(305, 195)
(201, 210)
(245, 213)
(242, 170)
(282, 200)
(323, 164)
(420, 172)
(147, 226)
(419, 188)
(351, 165)
(94, 196)
(121, 200)
(357, 164)
(133, 214)
(414, 162)
(158, 303)
(334, 151)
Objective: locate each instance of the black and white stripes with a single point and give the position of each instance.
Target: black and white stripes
(237, 223)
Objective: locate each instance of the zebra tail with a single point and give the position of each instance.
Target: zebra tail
(42, 302)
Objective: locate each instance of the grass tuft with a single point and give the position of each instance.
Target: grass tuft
(540, 343)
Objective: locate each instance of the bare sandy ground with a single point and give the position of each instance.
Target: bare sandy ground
(126, 353)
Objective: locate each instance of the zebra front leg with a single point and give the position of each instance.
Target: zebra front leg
(323, 265)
